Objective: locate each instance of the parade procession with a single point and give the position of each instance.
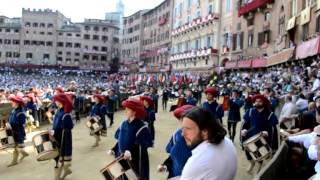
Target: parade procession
(163, 89)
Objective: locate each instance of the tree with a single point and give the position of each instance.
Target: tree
(114, 65)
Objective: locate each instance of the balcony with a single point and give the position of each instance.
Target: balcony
(194, 54)
(252, 6)
(195, 24)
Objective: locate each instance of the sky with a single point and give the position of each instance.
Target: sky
(77, 10)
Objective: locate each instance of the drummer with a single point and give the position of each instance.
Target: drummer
(151, 116)
(134, 138)
(212, 105)
(17, 120)
(177, 148)
(260, 119)
(61, 130)
(99, 110)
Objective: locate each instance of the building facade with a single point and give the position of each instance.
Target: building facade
(156, 38)
(131, 42)
(46, 37)
(268, 32)
(195, 35)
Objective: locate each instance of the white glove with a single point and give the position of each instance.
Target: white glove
(162, 168)
(127, 155)
(110, 152)
(265, 133)
(51, 132)
(8, 126)
(244, 132)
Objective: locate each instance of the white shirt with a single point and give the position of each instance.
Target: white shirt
(302, 104)
(288, 109)
(211, 162)
(313, 155)
(316, 84)
(305, 139)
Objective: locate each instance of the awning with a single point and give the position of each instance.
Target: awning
(291, 23)
(308, 48)
(244, 64)
(231, 64)
(259, 63)
(280, 57)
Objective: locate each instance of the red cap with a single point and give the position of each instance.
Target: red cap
(136, 106)
(59, 90)
(31, 97)
(211, 90)
(18, 100)
(100, 97)
(65, 100)
(148, 99)
(264, 99)
(179, 112)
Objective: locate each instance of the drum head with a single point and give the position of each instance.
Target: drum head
(253, 139)
(47, 155)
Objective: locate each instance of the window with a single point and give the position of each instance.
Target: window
(41, 43)
(85, 57)
(103, 58)
(197, 44)
(34, 43)
(95, 48)
(250, 22)
(294, 8)
(59, 59)
(250, 39)
(9, 54)
(50, 25)
(104, 49)
(263, 37)
(305, 32)
(49, 33)
(210, 10)
(7, 30)
(46, 56)
(16, 54)
(87, 28)
(105, 29)
(69, 34)
(68, 53)
(60, 52)
(60, 44)
(69, 45)
(26, 42)
(0, 41)
(86, 36)
(78, 35)
(16, 30)
(198, 14)
(42, 33)
(267, 16)
(77, 45)
(228, 6)
(206, 61)
(49, 43)
(16, 42)
(77, 54)
(318, 24)
(96, 28)
(60, 34)
(209, 42)
(35, 25)
(7, 41)
(42, 25)
(27, 24)
(95, 58)
(95, 37)
(29, 55)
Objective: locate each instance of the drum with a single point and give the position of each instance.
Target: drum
(46, 146)
(119, 169)
(6, 139)
(94, 124)
(258, 147)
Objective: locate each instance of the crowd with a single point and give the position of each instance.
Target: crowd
(280, 105)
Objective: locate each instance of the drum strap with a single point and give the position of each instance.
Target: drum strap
(143, 127)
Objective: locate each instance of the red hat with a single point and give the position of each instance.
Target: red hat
(31, 97)
(148, 99)
(179, 112)
(211, 90)
(101, 98)
(60, 90)
(18, 100)
(264, 99)
(65, 100)
(136, 106)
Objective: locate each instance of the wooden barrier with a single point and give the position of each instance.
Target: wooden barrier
(5, 110)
